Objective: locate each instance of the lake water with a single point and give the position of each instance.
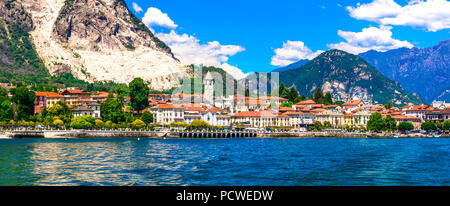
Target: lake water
(223, 162)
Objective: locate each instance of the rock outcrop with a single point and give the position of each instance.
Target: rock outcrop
(99, 40)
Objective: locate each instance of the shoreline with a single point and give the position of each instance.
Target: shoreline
(63, 134)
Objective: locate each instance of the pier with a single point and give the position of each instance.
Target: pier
(229, 134)
(25, 134)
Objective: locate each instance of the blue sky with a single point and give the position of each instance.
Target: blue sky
(263, 35)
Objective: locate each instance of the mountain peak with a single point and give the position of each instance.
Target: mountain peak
(346, 76)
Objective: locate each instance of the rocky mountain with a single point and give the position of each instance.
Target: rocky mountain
(294, 65)
(346, 76)
(425, 71)
(95, 40)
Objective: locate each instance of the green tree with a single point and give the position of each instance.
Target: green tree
(286, 104)
(405, 126)
(328, 100)
(318, 96)
(138, 92)
(83, 122)
(318, 125)
(428, 126)
(446, 125)
(376, 122)
(111, 110)
(60, 110)
(3, 95)
(24, 100)
(327, 124)
(293, 94)
(389, 105)
(147, 117)
(391, 123)
(6, 112)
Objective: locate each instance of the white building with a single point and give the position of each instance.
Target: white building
(92, 109)
(167, 113)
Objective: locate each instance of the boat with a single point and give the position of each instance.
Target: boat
(396, 136)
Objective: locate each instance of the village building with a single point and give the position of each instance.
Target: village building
(440, 105)
(92, 109)
(100, 96)
(335, 118)
(300, 119)
(306, 103)
(415, 121)
(261, 119)
(48, 99)
(438, 116)
(252, 105)
(419, 111)
(167, 113)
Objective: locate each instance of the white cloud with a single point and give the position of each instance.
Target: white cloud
(432, 15)
(233, 71)
(154, 17)
(291, 52)
(379, 39)
(189, 50)
(137, 8)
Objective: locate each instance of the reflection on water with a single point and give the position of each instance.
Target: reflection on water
(225, 162)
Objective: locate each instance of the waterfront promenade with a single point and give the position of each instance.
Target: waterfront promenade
(198, 134)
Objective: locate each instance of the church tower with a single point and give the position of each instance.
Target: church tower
(208, 95)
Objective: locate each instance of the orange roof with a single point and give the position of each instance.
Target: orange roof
(257, 114)
(405, 117)
(348, 115)
(270, 98)
(166, 106)
(214, 109)
(101, 94)
(330, 106)
(75, 91)
(293, 113)
(48, 94)
(286, 109)
(317, 105)
(352, 102)
(306, 102)
(318, 110)
(253, 102)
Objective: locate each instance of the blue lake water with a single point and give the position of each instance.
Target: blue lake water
(223, 162)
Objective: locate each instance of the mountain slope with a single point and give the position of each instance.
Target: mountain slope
(423, 71)
(99, 40)
(292, 66)
(346, 76)
(17, 54)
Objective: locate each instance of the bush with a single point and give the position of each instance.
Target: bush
(83, 122)
(58, 122)
(199, 124)
(138, 124)
(99, 123)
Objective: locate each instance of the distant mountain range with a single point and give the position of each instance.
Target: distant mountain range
(346, 76)
(292, 66)
(423, 71)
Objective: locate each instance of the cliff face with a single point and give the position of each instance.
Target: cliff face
(423, 71)
(99, 40)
